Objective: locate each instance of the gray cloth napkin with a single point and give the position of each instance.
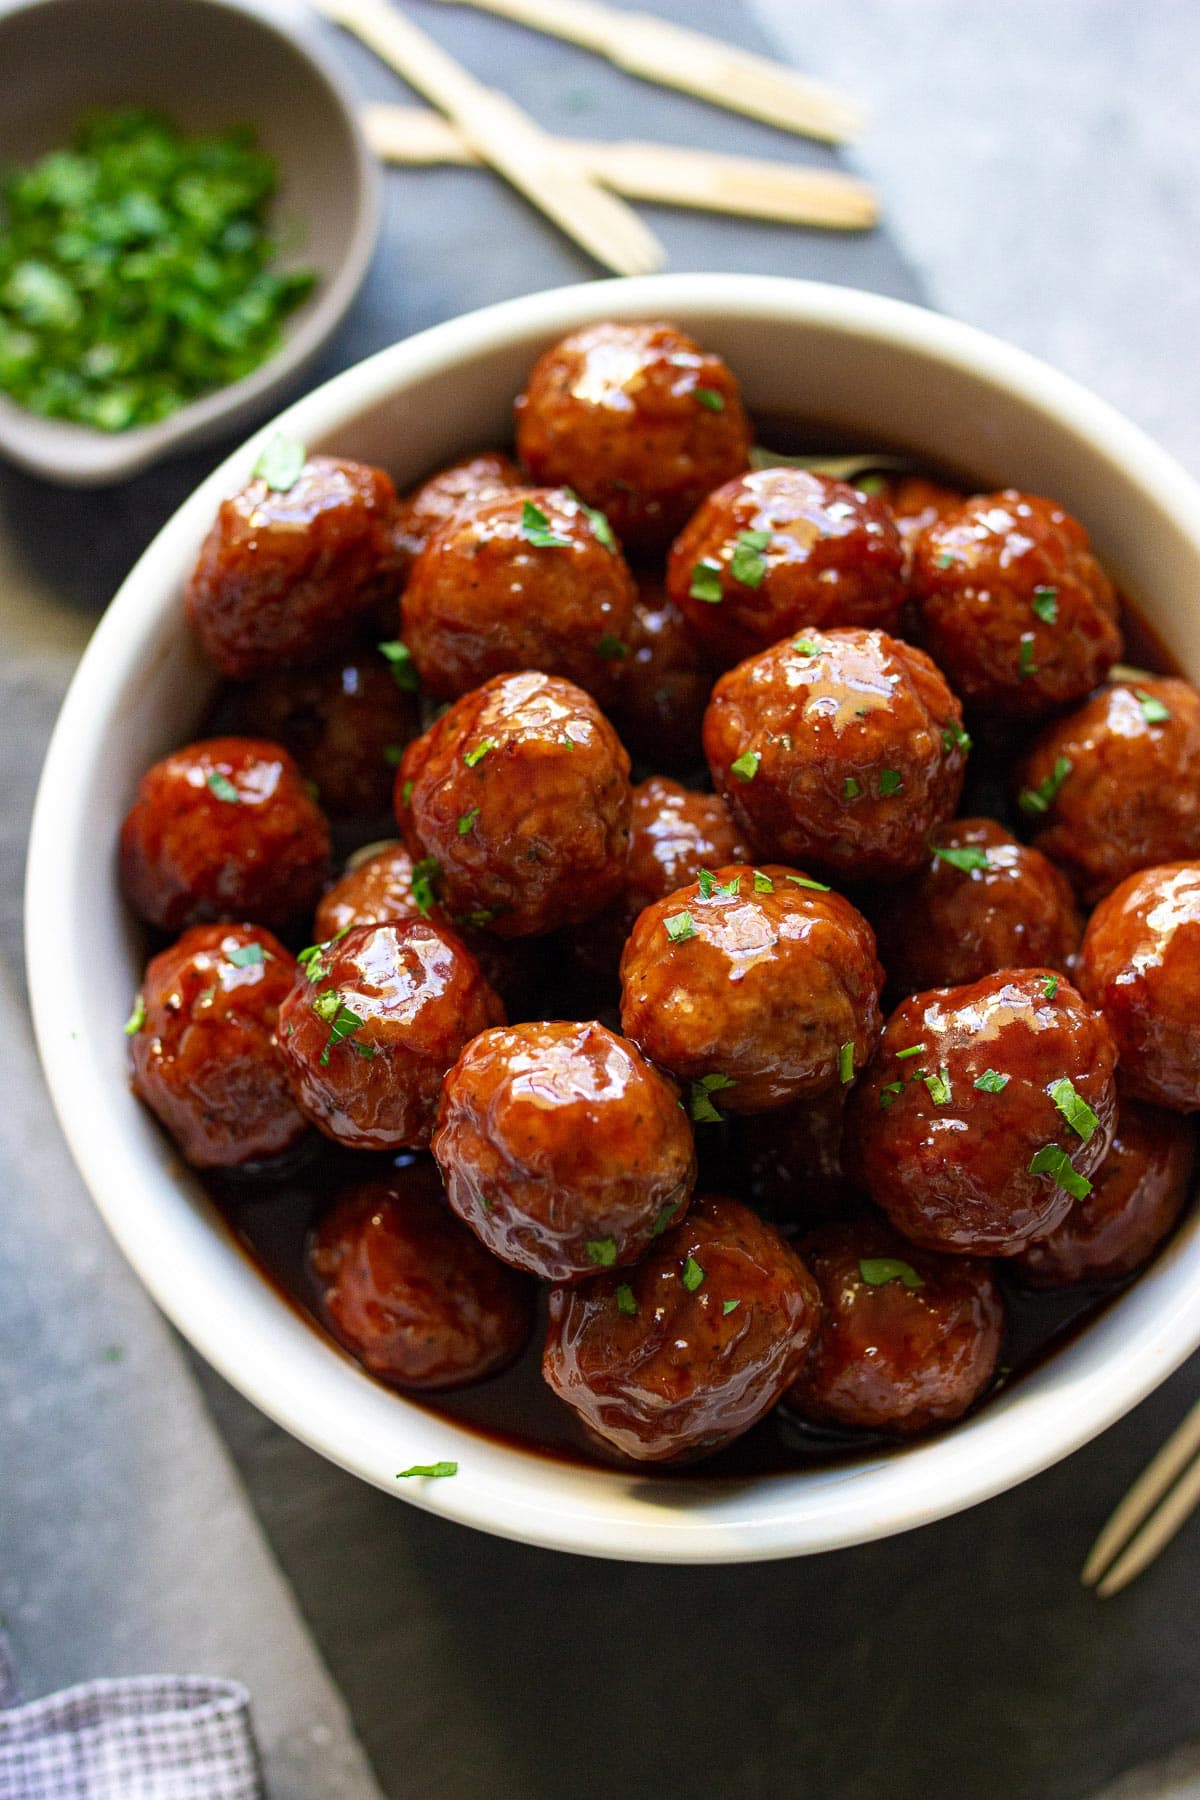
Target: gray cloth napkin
(147, 1737)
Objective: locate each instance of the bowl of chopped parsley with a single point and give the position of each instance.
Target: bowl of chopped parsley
(187, 210)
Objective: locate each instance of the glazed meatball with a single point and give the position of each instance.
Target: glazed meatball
(914, 503)
(838, 750)
(223, 829)
(778, 551)
(1115, 786)
(985, 1111)
(792, 1161)
(203, 1046)
(437, 500)
(1139, 1192)
(757, 986)
(562, 1149)
(982, 902)
(665, 684)
(639, 420)
(372, 1023)
(1013, 605)
(285, 575)
(1140, 964)
(345, 724)
(907, 1339)
(527, 579)
(517, 802)
(669, 1360)
(409, 1291)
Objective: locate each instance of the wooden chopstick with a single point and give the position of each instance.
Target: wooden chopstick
(1163, 1496)
(676, 56)
(507, 138)
(742, 185)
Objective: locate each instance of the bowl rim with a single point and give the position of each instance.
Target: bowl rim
(236, 1321)
(76, 455)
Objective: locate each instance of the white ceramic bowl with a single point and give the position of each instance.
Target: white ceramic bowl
(860, 363)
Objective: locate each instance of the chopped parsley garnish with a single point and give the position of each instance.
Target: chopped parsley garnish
(406, 793)
(712, 889)
(913, 1050)
(728, 1306)
(763, 883)
(992, 1082)
(342, 1023)
(890, 782)
(431, 1471)
(466, 821)
(846, 1062)
(1051, 1160)
(851, 789)
(945, 560)
(425, 876)
(1041, 798)
(601, 529)
(311, 960)
(1153, 710)
(602, 1251)
(746, 765)
(891, 1090)
(221, 788)
(1045, 604)
(245, 956)
(877, 1271)
(748, 564)
(706, 582)
(709, 399)
(1025, 663)
(475, 756)
(806, 881)
(969, 857)
(393, 756)
(806, 647)
(939, 1087)
(872, 485)
(693, 1275)
(955, 738)
(281, 463)
(611, 648)
(701, 1108)
(679, 927)
(626, 1302)
(535, 529)
(1050, 987)
(404, 669)
(1074, 1108)
(665, 1217)
(136, 1019)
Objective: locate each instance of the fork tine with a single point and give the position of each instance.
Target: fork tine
(1155, 1534)
(1142, 1498)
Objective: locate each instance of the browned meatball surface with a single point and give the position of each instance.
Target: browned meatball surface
(914, 502)
(1013, 605)
(1115, 786)
(203, 1046)
(371, 1025)
(562, 1148)
(780, 550)
(1139, 1193)
(1140, 964)
(677, 1356)
(907, 1339)
(665, 684)
(639, 420)
(792, 1159)
(517, 802)
(982, 902)
(757, 986)
(284, 576)
(223, 829)
(427, 508)
(838, 750)
(526, 579)
(345, 723)
(409, 1292)
(985, 1111)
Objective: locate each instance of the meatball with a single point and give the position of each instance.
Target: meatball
(409, 1291)
(676, 1357)
(437, 500)
(526, 579)
(562, 1149)
(371, 1025)
(913, 502)
(223, 829)
(792, 1160)
(757, 986)
(345, 724)
(1115, 787)
(982, 902)
(985, 1111)
(838, 750)
(1140, 1190)
(639, 420)
(780, 550)
(203, 1046)
(285, 574)
(1140, 964)
(665, 684)
(1013, 605)
(517, 803)
(907, 1339)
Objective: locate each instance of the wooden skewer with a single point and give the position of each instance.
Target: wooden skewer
(506, 137)
(676, 56)
(1163, 1496)
(742, 185)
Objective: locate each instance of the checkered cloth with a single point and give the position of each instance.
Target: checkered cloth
(148, 1737)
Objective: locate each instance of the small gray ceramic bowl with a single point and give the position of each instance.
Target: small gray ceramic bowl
(206, 64)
